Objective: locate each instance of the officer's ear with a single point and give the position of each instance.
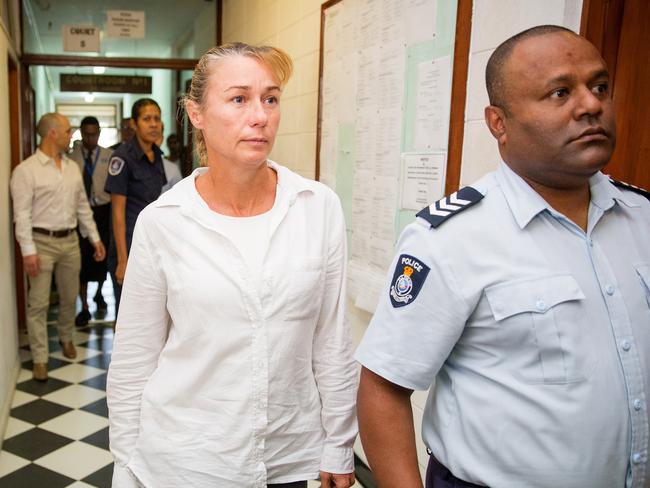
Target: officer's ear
(194, 113)
(495, 120)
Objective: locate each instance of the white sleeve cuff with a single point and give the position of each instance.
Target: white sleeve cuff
(124, 478)
(337, 460)
(28, 250)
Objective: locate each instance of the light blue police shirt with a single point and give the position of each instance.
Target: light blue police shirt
(537, 333)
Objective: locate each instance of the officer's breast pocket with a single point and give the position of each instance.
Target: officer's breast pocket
(147, 183)
(643, 270)
(542, 319)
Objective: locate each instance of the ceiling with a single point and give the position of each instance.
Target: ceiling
(169, 26)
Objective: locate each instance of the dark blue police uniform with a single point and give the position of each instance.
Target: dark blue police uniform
(130, 173)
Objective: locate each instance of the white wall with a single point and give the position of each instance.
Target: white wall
(9, 363)
(294, 26)
(44, 99)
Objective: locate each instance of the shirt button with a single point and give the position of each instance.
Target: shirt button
(591, 243)
(609, 289)
(541, 306)
(637, 458)
(638, 404)
(626, 345)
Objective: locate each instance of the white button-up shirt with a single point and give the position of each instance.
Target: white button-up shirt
(215, 381)
(48, 197)
(537, 334)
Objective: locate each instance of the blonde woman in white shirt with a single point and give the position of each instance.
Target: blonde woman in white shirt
(232, 363)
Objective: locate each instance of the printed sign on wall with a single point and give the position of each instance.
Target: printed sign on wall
(81, 38)
(126, 24)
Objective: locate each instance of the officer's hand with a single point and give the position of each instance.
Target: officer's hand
(32, 265)
(100, 251)
(332, 480)
(119, 272)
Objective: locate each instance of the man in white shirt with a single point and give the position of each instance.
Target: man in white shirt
(49, 198)
(93, 163)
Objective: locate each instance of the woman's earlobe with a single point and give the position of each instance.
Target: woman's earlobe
(194, 114)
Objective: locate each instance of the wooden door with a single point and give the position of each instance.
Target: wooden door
(16, 156)
(619, 28)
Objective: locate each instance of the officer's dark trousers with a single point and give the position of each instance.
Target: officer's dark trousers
(440, 477)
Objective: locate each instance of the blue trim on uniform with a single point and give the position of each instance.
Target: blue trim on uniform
(627, 186)
(447, 207)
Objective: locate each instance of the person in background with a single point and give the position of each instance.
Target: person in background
(93, 163)
(135, 179)
(127, 132)
(172, 172)
(174, 146)
(232, 363)
(49, 201)
(525, 296)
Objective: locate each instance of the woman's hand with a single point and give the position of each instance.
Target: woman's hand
(333, 480)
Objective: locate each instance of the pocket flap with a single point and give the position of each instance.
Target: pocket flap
(531, 295)
(644, 272)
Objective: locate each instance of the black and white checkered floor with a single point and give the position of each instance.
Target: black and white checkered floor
(57, 433)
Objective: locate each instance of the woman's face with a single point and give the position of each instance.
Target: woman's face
(241, 113)
(148, 126)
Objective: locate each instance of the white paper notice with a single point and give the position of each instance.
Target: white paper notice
(433, 104)
(127, 24)
(373, 284)
(423, 177)
(420, 20)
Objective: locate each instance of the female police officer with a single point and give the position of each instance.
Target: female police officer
(232, 360)
(135, 179)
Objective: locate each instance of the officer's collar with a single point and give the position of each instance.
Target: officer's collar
(525, 203)
(604, 194)
(135, 148)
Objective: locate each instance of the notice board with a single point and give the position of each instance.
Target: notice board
(383, 128)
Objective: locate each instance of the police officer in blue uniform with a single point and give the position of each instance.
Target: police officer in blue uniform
(135, 179)
(526, 297)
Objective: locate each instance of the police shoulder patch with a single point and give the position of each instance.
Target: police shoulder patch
(408, 278)
(447, 207)
(627, 186)
(116, 166)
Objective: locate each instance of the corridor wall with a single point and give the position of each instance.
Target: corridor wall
(9, 363)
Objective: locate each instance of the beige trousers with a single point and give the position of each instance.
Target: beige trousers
(59, 255)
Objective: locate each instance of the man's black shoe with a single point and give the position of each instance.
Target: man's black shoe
(101, 304)
(82, 318)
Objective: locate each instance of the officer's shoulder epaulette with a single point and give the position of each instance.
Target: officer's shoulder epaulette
(451, 205)
(627, 186)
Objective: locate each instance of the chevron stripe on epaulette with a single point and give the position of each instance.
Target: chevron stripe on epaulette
(447, 207)
(627, 186)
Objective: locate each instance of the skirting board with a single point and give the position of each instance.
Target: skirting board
(4, 412)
